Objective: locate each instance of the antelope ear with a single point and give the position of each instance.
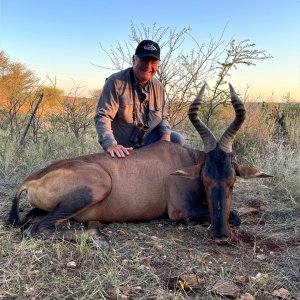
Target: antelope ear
(248, 172)
(191, 172)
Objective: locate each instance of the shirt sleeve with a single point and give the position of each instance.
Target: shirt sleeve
(106, 111)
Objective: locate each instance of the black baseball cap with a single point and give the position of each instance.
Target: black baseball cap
(148, 48)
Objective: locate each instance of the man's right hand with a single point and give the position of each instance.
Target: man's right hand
(118, 150)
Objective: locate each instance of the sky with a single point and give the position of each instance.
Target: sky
(60, 39)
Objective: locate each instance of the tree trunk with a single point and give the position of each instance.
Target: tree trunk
(30, 120)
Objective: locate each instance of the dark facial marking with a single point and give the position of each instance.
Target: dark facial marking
(218, 168)
(218, 203)
(197, 208)
(218, 164)
(195, 202)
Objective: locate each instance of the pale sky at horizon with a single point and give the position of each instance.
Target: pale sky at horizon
(60, 38)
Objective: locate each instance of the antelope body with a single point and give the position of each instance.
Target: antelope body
(140, 187)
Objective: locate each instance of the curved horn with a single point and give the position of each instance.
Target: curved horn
(228, 136)
(208, 138)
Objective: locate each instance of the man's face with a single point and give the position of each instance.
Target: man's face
(144, 68)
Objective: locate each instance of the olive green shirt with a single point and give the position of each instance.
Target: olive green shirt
(114, 115)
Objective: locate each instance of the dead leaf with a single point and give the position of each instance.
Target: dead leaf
(263, 207)
(71, 264)
(247, 211)
(261, 256)
(240, 279)
(261, 279)
(260, 276)
(146, 261)
(247, 296)
(226, 289)
(120, 293)
(158, 246)
(281, 293)
(187, 282)
(192, 281)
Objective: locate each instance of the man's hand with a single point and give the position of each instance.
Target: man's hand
(166, 137)
(118, 150)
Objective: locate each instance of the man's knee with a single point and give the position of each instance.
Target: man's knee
(177, 138)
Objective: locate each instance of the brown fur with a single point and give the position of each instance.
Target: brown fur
(136, 188)
(127, 189)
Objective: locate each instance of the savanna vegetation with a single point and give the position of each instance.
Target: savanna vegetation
(158, 259)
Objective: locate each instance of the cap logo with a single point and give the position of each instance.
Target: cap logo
(150, 47)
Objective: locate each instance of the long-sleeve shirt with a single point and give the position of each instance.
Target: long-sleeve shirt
(114, 114)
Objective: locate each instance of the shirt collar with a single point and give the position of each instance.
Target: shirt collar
(146, 88)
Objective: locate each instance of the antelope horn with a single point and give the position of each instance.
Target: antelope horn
(226, 141)
(208, 138)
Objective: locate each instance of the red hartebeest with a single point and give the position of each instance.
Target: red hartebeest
(139, 187)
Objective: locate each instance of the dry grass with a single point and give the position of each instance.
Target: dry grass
(141, 260)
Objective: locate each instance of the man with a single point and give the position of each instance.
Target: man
(131, 109)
